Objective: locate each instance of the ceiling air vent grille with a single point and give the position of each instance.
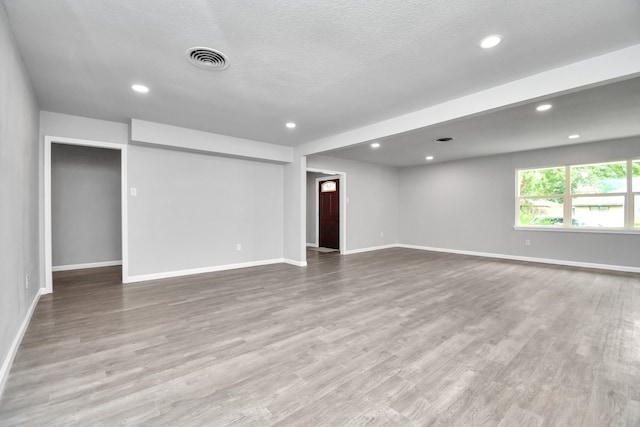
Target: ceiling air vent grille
(207, 58)
(443, 140)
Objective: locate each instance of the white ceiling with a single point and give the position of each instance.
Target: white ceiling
(605, 112)
(329, 66)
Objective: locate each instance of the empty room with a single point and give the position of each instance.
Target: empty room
(320, 213)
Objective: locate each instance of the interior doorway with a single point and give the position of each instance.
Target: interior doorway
(49, 143)
(329, 213)
(335, 207)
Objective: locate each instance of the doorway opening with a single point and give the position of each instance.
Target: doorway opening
(328, 206)
(326, 210)
(95, 182)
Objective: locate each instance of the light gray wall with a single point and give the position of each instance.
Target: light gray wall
(294, 224)
(311, 207)
(174, 223)
(85, 205)
(470, 205)
(19, 227)
(68, 126)
(192, 209)
(56, 124)
(372, 191)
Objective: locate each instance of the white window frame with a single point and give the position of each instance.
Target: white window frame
(567, 198)
(632, 209)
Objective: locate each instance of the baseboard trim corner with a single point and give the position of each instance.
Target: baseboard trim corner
(566, 263)
(15, 345)
(85, 265)
(294, 262)
(191, 271)
(312, 245)
(369, 249)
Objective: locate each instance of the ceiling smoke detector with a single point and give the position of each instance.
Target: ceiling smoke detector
(443, 140)
(207, 58)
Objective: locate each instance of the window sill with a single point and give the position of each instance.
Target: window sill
(579, 230)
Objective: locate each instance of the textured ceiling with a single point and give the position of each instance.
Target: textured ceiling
(330, 66)
(609, 111)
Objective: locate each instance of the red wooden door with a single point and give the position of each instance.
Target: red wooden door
(329, 221)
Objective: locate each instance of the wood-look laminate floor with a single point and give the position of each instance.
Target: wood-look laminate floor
(393, 337)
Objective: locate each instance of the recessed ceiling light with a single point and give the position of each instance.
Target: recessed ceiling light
(290, 125)
(429, 157)
(574, 136)
(140, 88)
(375, 145)
(544, 107)
(490, 41)
(443, 140)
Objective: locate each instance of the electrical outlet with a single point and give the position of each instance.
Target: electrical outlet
(382, 234)
(238, 247)
(527, 242)
(133, 191)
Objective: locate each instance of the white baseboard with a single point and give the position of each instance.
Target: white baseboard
(13, 350)
(178, 273)
(369, 249)
(312, 245)
(87, 265)
(294, 262)
(624, 268)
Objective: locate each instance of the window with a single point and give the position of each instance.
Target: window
(602, 195)
(635, 184)
(541, 196)
(328, 186)
(602, 187)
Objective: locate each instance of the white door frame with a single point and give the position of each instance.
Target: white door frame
(48, 141)
(342, 176)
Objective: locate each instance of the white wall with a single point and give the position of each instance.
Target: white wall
(191, 210)
(372, 191)
(161, 135)
(470, 205)
(311, 207)
(56, 124)
(294, 223)
(19, 226)
(85, 205)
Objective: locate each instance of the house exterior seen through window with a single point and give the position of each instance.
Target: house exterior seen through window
(598, 196)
